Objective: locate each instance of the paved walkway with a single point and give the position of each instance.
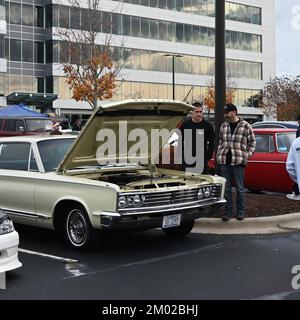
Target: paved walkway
(261, 225)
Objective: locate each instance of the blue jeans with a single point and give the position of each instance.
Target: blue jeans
(237, 173)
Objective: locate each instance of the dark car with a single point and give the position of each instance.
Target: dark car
(18, 126)
(276, 124)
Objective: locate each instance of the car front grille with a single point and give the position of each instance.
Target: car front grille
(177, 197)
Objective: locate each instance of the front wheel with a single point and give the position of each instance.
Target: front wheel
(78, 229)
(181, 231)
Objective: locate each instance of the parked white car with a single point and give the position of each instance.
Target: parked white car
(9, 242)
(61, 182)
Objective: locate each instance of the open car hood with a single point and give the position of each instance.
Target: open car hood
(119, 120)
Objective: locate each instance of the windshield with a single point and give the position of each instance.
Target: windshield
(34, 125)
(284, 141)
(53, 151)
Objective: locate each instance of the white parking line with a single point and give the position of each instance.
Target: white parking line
(50, 256)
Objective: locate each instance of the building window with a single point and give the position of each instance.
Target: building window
(49, 16)
(6, 44)
(256, 15)
(27, 15)
(15, 13)
(2, 10)
(75, 18)
(233, 11)
(27, 51)
(15, 50)
(39, 52)
(2, 48)
(49, 51)
(39, 16)
(40, 85)
(153, 29)
(135, 27)
(49, 84)
(64, 17)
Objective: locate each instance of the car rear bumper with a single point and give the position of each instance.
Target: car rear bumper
(143, 221)
(9, 251)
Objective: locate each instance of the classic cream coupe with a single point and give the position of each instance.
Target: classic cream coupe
(69, 183)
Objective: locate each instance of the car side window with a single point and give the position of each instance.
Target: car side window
(32, 164)
(284, 141)
(10, 125)
(20, 127)
(14, 156)
(264, 143)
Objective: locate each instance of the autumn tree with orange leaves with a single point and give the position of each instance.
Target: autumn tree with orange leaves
(90, 70)
(209, 99)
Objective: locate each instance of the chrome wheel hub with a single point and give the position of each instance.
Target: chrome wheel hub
(76, 227)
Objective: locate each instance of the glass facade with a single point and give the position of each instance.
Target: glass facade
(24, 50)
(234, 11)
(151, 29)
(31, 45)
(17, 83)
(157, 61)
(147, 90)
(24, 14)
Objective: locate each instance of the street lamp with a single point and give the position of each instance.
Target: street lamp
(173, 55)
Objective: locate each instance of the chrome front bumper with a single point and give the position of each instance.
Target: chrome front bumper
(148, 218)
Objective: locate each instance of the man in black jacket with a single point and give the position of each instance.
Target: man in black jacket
(195, 123)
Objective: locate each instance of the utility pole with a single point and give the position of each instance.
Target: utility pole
(220, 73)
(173, 55)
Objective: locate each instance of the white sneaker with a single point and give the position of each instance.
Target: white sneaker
(293, 196)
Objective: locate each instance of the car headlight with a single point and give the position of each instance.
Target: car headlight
(122, 202)
(6, 225)
(200, 194)
(137, 200)
(207, 192)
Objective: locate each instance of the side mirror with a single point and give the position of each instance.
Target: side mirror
(21, 129)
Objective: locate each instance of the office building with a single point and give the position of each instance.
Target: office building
(150, 34)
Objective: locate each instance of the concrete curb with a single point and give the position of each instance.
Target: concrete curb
(261, 225)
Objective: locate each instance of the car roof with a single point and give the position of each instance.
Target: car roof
(23, 118)
(277, 124)
(36, 138)
(273, 130)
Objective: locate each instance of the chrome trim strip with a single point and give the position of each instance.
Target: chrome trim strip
(25, 214)
(162, 209)
(106, 213)
(169, 190)
(258, 161)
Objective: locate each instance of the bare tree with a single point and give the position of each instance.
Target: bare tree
(284, 93)
(91, 64)
(259, 101)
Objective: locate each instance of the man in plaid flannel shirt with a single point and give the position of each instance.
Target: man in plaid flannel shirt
(236, 145)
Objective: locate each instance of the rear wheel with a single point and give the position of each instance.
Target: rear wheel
(78, 229)
(181, 231)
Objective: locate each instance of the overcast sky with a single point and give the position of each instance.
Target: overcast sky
(288, 37)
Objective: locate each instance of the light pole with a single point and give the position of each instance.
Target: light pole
(173, 55)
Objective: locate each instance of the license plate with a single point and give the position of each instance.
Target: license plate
(171, 221)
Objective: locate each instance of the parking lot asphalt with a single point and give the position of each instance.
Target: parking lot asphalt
(148, 265)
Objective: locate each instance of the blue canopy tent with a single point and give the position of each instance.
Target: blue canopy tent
(20, 111)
